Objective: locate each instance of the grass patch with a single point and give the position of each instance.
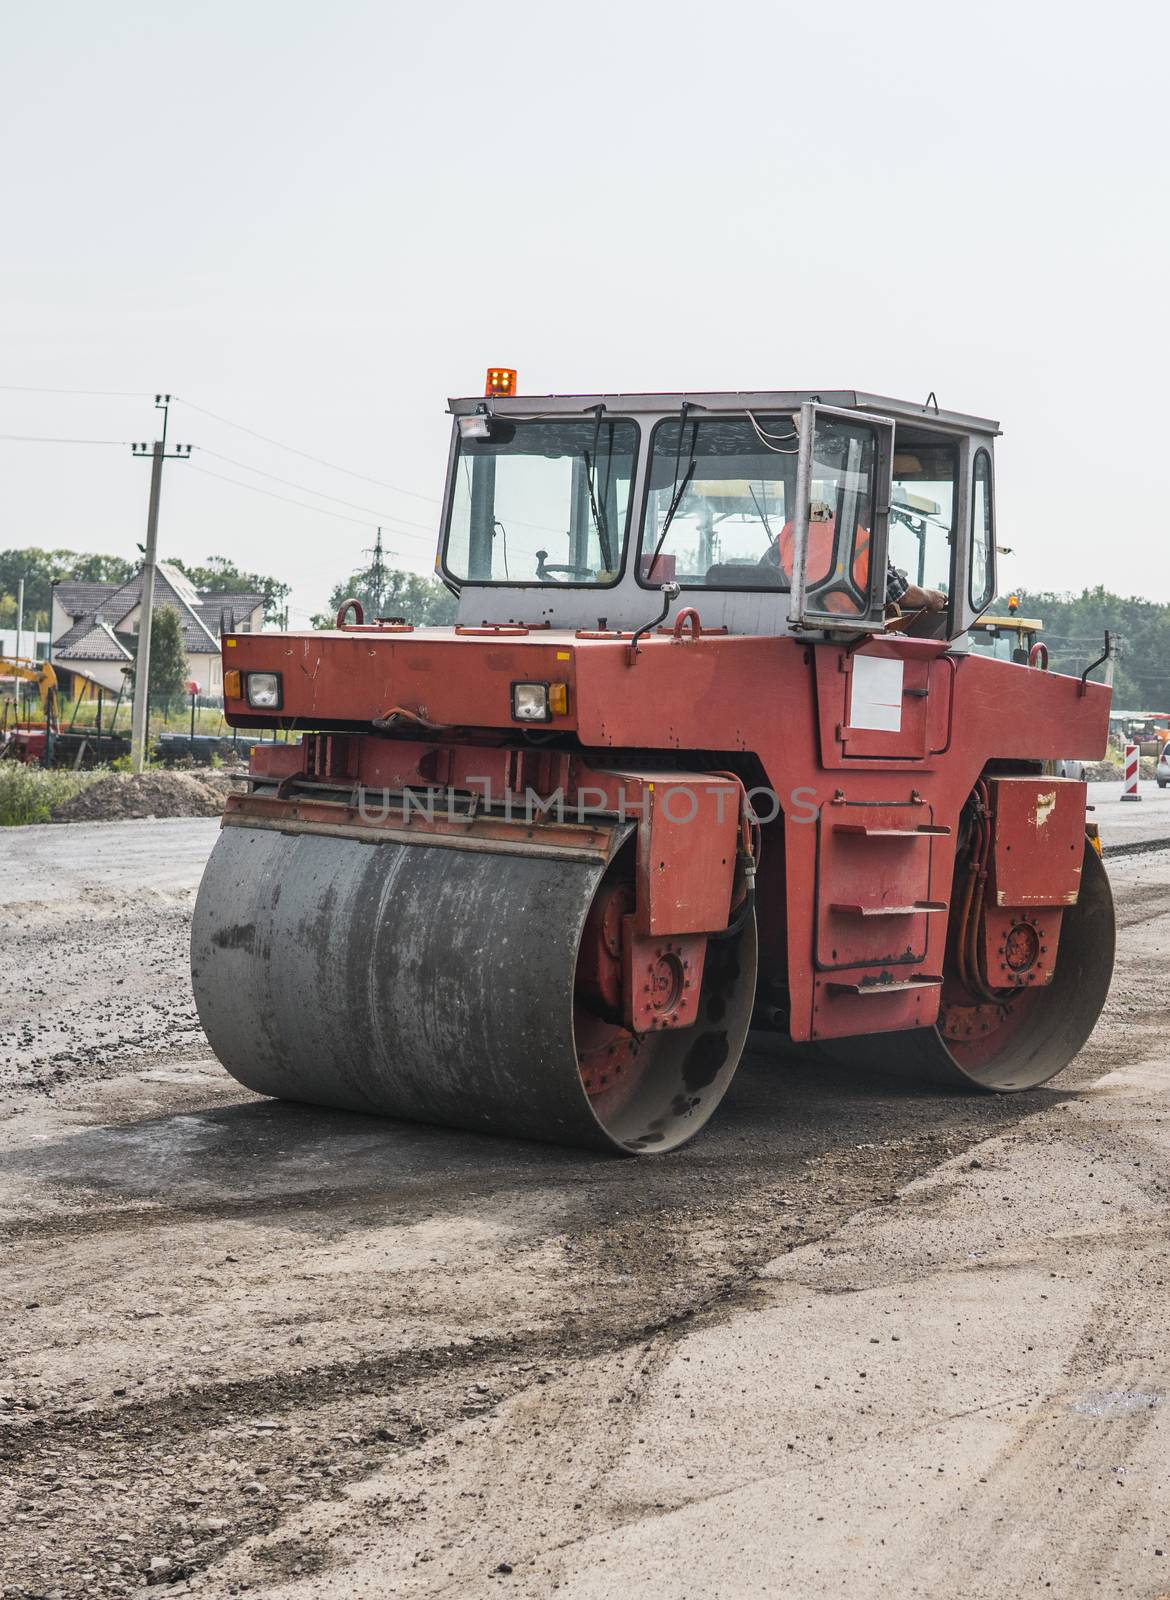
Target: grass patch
(28, 794)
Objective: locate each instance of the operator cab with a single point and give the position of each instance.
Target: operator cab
(775, 512)
(1009, 638)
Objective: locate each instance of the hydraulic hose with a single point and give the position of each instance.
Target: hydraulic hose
(746, 861)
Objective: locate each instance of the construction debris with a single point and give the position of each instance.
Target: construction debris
(123, 797)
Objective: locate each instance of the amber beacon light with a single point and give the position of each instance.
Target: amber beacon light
(500, 381)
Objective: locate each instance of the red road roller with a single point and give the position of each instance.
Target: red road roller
(707, 749)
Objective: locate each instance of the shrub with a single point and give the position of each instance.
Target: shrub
(28, 794)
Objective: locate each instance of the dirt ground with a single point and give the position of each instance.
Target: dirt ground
(855, 1338)
(125, 796)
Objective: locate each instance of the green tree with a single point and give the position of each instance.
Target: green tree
(218, 575)
(102, 569)
(168, 658)
(40, 569)
(389, 592)
(1074, 631)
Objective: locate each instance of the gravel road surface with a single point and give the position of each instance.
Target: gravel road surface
(857, 1338)
(1129, 825)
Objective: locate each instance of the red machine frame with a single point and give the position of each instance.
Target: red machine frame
(857, 826)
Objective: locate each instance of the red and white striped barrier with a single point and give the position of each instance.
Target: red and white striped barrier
(1132, 769)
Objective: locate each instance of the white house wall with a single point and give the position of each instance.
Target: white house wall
(108, 673)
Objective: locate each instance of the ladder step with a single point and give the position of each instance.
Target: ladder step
(876, 986)
(919, 908)
(864, 830)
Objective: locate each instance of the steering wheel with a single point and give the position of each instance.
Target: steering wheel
(771, 556)
(544, 568)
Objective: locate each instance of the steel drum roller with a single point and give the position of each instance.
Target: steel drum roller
(439, 985)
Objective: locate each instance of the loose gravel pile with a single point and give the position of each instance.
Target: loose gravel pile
(1111, 770)
(124, 797)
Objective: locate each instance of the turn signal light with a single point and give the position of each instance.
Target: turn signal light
(500, 381)
(558, 699)
(233, 686)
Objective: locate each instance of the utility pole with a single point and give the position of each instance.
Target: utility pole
(19, 640)
(377, 577)
(157, 454)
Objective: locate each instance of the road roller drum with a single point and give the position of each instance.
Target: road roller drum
(440, 985)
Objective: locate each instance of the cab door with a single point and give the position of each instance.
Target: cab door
(841, 527)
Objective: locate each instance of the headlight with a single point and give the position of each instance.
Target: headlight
(530, 702)
(264, 691)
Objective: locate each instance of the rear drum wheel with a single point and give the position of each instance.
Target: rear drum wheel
(1027, 1039)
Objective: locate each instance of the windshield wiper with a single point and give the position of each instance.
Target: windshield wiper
(762, 514)
(597, 510)
(680, 485)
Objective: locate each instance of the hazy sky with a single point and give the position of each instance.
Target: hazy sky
(321, 220)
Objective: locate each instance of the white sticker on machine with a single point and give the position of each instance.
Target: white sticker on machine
(875, 699)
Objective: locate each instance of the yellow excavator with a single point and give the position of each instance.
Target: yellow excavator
(22, 739)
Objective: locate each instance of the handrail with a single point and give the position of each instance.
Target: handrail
(1104, 656)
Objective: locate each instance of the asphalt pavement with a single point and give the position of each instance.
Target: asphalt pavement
(859, 1337)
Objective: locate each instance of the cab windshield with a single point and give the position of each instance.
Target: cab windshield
(1001, 640)
(721, 506)
(543, 500)
(721, 491)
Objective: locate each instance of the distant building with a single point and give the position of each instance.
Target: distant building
(34, 646)
(94, 626)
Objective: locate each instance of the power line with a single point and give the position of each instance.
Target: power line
(318, 460)
(304, 504)
(387, 516)
(103, 394)
(134, 394)
(37, 438)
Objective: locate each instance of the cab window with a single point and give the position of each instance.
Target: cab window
(720, 494)
(982, 531)
(541, 500)
(922, 509)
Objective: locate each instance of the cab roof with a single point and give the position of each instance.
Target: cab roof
(533, 405)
